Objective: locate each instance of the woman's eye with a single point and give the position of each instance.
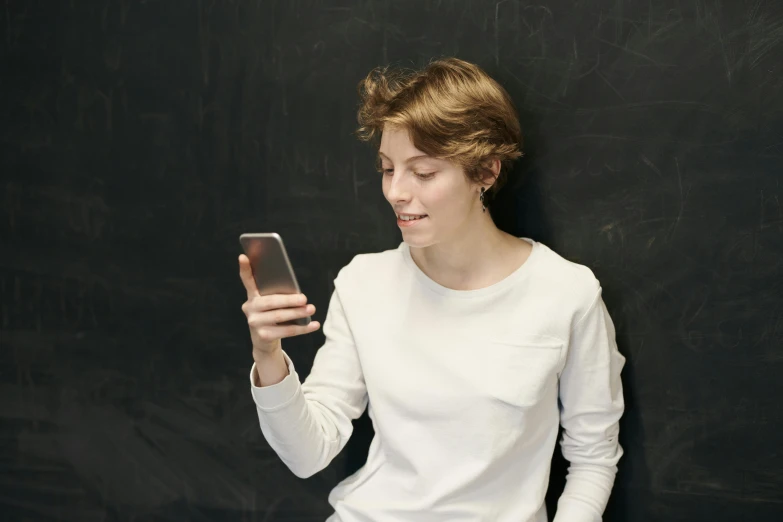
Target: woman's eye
(421, 175)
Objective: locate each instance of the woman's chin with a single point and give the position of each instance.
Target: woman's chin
(416, 241)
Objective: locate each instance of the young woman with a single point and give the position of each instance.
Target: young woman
(468, 345)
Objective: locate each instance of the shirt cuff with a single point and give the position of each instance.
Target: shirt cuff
(568, 511)
(275, 396)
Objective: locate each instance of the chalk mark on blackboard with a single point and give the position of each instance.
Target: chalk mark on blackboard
(497, 32)
(635, 53)
(607, 82)
(683, 197)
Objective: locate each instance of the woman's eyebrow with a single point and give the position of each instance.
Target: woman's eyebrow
(413, 158)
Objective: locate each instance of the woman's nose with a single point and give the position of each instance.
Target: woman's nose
(398, 188)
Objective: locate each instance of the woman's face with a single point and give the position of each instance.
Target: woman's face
(415, 184)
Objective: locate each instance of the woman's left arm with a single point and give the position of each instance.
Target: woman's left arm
(591, 404)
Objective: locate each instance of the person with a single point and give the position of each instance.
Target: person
(467, 345)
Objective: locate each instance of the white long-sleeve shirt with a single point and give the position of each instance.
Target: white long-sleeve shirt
(462, 388)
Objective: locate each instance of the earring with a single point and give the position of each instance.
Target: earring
(481, 198)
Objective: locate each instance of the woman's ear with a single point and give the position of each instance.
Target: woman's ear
(491, 171)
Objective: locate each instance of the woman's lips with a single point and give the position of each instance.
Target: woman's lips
(410, 222)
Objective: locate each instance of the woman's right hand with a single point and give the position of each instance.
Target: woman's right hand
(264, 312)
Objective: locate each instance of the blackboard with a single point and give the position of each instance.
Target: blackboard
(138, 139)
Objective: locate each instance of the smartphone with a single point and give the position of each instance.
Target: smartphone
(272, 269)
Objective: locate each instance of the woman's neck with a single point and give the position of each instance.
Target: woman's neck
(475, 257)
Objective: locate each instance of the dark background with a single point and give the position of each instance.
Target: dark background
(139, 139)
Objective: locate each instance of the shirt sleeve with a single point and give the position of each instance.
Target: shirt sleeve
(308, 424)
(591, 402)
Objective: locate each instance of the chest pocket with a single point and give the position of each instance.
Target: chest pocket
(520, 372)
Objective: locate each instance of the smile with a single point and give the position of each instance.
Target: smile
(409, 220)
(410, 217)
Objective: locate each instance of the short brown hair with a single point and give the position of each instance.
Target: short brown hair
(452, 110)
